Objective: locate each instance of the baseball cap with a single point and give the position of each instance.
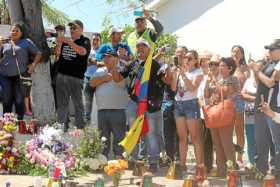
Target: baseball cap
(142, 41)
(110, 52)
(76, 22)
(139, 18)
(115, 29)
(59, 27)
(104, 50)
(275, 44)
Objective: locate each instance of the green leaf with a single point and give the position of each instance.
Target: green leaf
(53, 15)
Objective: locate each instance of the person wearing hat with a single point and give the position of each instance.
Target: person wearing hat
(115, 44)
(73, 53)
(142, 32)
(111, 101)
(266, 130)
(154, 138)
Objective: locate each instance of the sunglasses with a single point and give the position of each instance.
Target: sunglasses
(212, 64)
(189, 58)
(73, 28)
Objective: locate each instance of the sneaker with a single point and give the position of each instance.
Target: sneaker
(28, 113)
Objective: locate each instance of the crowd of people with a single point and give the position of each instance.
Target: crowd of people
(178, 91)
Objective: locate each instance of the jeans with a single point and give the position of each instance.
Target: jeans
(12, 94)
(112, 121)
(251, 144)
(66, 87)
(154, 138)
(153, 141)
(88, 93)
(264, 143)
(170, 134)
(188, 109)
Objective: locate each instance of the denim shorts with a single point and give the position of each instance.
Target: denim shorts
(239, 105)
(188, 109)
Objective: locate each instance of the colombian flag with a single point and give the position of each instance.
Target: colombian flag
(140, 125)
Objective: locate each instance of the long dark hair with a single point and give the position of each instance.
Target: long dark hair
(22, 29)
(230, 64)
(242, 60)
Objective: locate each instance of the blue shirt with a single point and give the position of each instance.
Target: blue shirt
(24, 48)
(106, 47)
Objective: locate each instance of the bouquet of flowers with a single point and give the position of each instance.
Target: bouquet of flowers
(115, 168)
(90, 149)
(9, 155)
(49, 148)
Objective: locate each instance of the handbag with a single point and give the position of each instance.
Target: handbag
(220, 115)
(25, 78)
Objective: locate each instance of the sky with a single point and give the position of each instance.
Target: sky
(92, 12)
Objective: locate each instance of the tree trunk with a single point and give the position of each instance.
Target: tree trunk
(30, 13)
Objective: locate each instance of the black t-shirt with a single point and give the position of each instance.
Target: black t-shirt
(155, 84)
(72, 64)
(264, 90)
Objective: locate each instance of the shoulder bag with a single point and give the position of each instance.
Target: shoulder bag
(220, 115)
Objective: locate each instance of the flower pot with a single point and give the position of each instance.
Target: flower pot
(139, 168)
(116, 178)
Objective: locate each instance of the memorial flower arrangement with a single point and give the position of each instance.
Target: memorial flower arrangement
(48, 148)
(115, 168)
(9, 155)
(90, 149)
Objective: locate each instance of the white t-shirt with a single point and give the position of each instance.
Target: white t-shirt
(250, 86)
(110, 95)
(182, 93)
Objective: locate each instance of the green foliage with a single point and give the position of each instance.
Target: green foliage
(26, 168)
(169, 40)
(91, 144)
(53, 15)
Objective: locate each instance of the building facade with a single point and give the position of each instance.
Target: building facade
(216, 25)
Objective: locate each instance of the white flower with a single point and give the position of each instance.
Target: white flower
(113, 162)
(94, 164)
(102, 159)
(32, 161)
(125, 155)
(28, 156)
(103, 139)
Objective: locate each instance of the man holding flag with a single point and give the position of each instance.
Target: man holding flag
(146, 91)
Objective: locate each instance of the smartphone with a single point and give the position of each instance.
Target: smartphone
(176, 61)
(67, 33)
(138, 13)
(53, 35)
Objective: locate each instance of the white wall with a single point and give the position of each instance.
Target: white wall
(175, 14)
(216, 25)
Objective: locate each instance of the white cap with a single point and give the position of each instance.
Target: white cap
(115, 29)
(142, 41)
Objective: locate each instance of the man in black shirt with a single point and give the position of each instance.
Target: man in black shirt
(72, 63)
(154, 138)
(267, 131)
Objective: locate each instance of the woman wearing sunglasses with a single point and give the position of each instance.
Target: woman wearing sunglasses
(229, 85)
(185, 83)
